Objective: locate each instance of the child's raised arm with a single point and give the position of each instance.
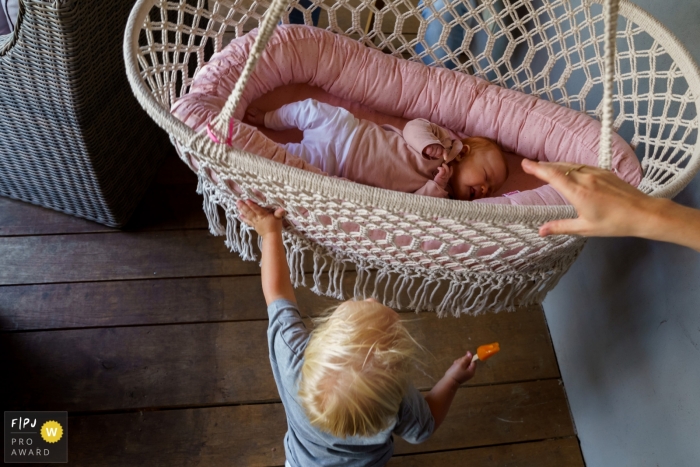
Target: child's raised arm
(275, 271)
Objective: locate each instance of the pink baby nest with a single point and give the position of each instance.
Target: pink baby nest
(380, 87)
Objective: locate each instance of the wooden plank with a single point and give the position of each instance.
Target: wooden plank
(170, 203)
(169, 207)
(163, 207)
(526, 349)
(548, 453)
(20, 218)
(500, 414)
(227, 363)
(139, 302)
(251, 435)
(117, 256)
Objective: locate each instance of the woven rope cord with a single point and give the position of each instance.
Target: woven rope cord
(267, 28)
(610, 12)
(407, 246)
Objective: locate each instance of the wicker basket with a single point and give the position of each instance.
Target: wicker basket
(74, 139)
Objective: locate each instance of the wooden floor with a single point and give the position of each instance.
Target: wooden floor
(153, 338)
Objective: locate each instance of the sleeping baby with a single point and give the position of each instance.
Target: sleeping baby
(423, 158)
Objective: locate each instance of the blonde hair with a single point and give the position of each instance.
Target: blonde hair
(355, 369)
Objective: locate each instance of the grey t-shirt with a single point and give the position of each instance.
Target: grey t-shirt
(304, 444)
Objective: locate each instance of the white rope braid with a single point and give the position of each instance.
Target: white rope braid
(610, 12)
(267, 28)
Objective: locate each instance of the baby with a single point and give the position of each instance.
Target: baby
(345, 385)
(424, 159)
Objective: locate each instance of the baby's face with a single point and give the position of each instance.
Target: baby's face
(480, 173)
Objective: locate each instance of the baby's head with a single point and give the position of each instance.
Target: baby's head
(480, 172)
(355, 369)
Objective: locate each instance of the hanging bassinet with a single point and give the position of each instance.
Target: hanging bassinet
(408, 250)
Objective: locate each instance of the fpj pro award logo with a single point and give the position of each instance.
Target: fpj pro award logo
(32, 437)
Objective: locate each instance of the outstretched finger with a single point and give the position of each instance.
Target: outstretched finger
(552, 173)
(562, 227)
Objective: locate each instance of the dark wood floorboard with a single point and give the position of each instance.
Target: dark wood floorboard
(564, 452)
(220, 363)
(122, 303)
(117, 255)
(171, 203)
(154, 338)
(251, 435)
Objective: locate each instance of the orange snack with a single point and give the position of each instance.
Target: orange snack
(487, 351)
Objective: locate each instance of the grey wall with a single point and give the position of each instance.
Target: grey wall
(625, 322)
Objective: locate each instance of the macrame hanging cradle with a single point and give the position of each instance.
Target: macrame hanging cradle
(411, 251)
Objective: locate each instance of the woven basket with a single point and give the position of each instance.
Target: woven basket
(407, 248)
(73, 138)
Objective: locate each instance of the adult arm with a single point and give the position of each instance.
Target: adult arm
(276, 283)
(440, 398)
(609, 207)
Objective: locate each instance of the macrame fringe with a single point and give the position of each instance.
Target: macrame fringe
(211, 209)
(472, 294)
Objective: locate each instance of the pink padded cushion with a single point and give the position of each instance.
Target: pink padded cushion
(523, 124)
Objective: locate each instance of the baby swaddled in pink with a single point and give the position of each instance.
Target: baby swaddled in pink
(424, 158)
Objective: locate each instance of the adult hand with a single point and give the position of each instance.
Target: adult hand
(607, 206)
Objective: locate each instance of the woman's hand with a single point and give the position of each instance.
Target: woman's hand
(262, 220)
(607, 206)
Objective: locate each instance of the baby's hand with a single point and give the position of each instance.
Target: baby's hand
(443, 176)
(255, 116)
(435, 151)
(462, 370)
(262, 220)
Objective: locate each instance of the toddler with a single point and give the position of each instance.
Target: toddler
(423, 158)
(344, 386)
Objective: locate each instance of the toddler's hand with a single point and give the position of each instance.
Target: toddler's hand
(262, 220)
(443, 176)
(255, 116)
(463, 369)
(435, 151)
